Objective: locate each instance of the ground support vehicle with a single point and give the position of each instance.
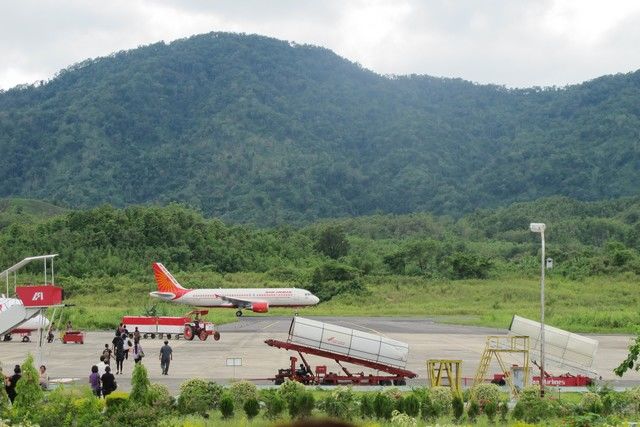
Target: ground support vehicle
(342, 345)
(306, 375)
(189, 326)
(73, 336)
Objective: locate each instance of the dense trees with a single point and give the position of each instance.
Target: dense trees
(332, 256)
(252, 129)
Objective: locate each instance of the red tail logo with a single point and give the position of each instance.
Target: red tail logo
(166, 282)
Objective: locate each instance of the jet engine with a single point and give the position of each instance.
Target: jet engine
(260, 307)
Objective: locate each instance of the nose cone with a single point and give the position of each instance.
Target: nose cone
(315, 299)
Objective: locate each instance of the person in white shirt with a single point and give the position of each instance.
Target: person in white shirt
(101, 366)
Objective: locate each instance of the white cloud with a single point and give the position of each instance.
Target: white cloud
(517, 43)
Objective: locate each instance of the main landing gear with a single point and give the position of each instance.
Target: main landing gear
(239, 313)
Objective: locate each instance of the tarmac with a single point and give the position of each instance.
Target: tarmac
(244, 339)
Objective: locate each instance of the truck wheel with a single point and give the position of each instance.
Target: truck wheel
(153, 336)
(7, 337)
(203, 335)
(145, 336)
(216, 335)
(160, 336)
(168, 336)
(25, 339)
(188, 332)
(239, 313)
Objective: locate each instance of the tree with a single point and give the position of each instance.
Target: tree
(139, 385)
(332, 241)
(29, 394)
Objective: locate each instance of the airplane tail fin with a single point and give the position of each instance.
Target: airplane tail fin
(167, 284)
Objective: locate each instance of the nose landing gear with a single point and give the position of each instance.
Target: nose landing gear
(239, 313)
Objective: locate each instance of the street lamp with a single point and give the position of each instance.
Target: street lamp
(538, 227)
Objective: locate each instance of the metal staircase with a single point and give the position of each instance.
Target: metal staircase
(498, 346)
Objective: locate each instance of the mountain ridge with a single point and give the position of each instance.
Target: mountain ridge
(253, 129)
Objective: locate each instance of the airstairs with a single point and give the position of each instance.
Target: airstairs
(21, 303)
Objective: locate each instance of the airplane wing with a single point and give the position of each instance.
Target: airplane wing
(166, 296)
(240, 303)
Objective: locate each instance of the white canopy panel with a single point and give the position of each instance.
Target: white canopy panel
(562, 348)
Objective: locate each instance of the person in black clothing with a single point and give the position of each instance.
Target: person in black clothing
(118, 350)
(108, 382)
(10, 387)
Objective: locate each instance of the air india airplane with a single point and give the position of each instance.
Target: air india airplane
(257, 300)
(25, 328)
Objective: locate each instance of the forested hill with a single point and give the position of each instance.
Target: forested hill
(255, 129)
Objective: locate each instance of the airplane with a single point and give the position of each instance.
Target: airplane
(25, 328)
(257, 300)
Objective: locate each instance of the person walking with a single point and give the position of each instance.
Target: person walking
(127, 346)
(108, 382)
(107, 353)
(118, 350)
(94, 380)
(138, 353)
(166, 356)
(12, 381)
(101, 366)
(136, 335)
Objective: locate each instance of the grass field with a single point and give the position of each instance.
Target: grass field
(597, 304)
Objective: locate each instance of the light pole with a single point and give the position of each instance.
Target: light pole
(538, 227)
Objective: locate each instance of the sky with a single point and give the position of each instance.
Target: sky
(516, 43)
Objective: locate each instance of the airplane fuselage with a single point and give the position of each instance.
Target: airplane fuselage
(275, 297)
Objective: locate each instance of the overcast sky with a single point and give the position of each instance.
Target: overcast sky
(512, 42)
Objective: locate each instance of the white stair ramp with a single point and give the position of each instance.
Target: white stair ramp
(14, 314)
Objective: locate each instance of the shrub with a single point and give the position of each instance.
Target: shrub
(484, 394)
(458, 407)
(67, 407)
(591, 402)
(302, 405)
(89, 411)
(402, 420)
(242, 391)
(491, 409)
(503, 409)
(289, 389)
(251, 407)
(226, 406)
(159, 397)
(274, 403)
(340, 403)
(366, 406)
(412, 405)
(383, 406)
(198, 396)
(132, 415)
(441, 398)
(116, 401)
(473, 411)
(139, 385)
(29, 394)
(531, 407)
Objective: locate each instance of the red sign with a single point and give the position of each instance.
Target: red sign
(39, 296)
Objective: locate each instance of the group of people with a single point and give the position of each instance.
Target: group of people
(101, 379)
(10, 382)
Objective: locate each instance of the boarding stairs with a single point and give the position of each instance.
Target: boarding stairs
(29, 301)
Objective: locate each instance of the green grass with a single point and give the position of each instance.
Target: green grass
(596, 304)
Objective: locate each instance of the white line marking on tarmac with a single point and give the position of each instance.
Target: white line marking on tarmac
(270, 325)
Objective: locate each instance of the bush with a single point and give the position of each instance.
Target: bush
(340, 403)
(289, 389)
(485, 393)
(29, 393)
(198, 396)
(503, 409)
(402, 420)
(473, 411)
(383, 406)
(412, 405)
(159, 397)
(274, 404)
(531, 407)
(132, 415)
(591, 402)
(302, 405)
(68, 407)
(458, 407)
(491, 409)
(116, 401)
(251, 407)
(139, 385)
(226, 406)
(366, 406)
(89, 411)
(242, 391)
(441, 398)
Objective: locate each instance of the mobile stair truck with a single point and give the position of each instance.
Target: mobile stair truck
(343, 345)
